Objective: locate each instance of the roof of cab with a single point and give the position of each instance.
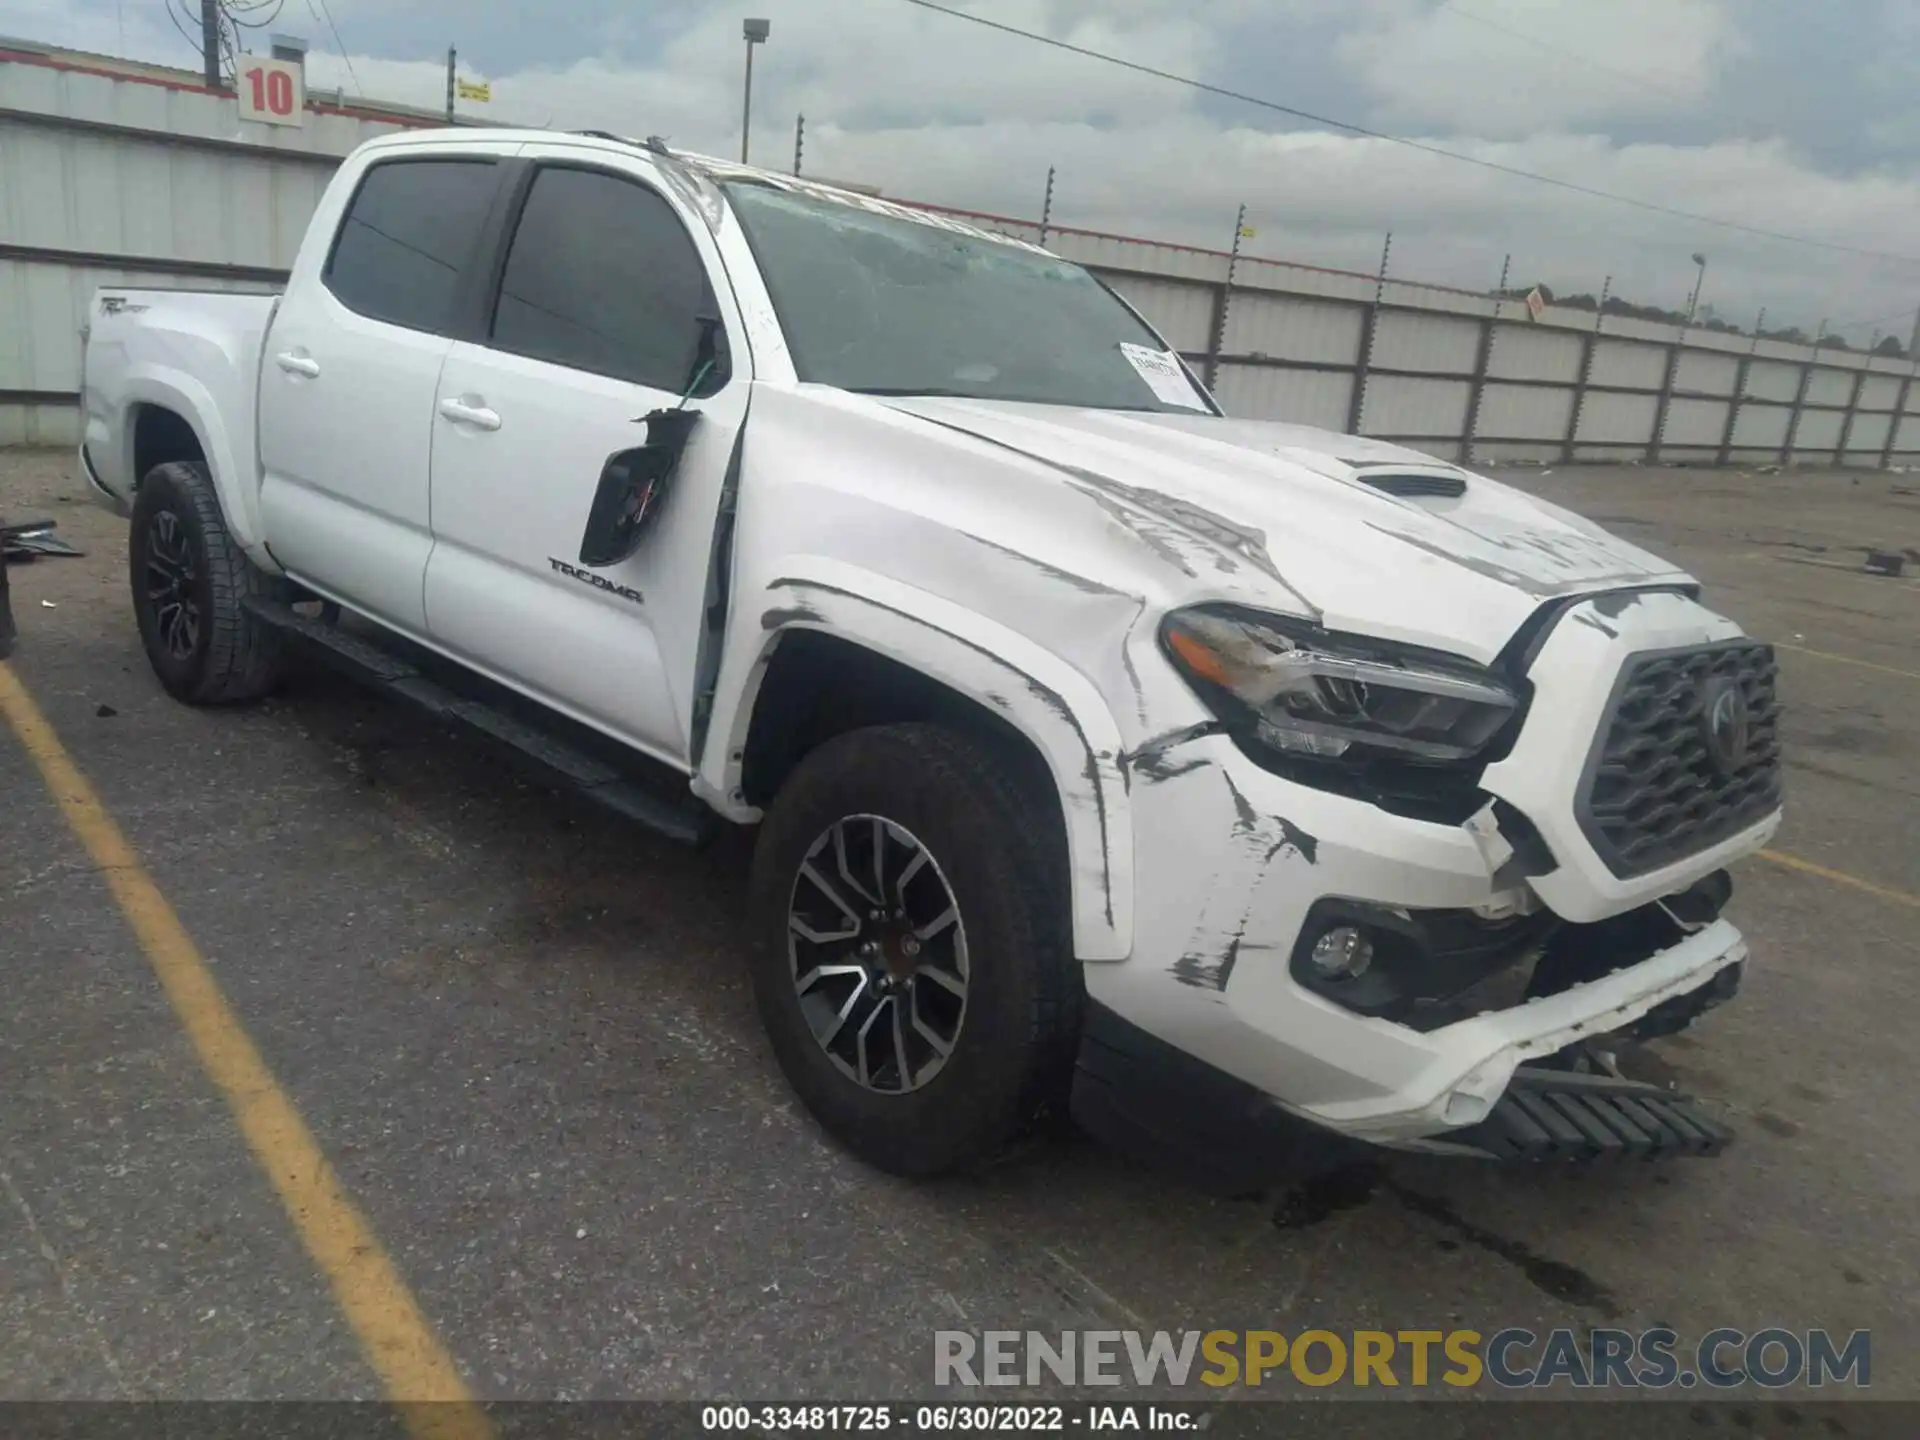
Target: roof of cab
(711, 168)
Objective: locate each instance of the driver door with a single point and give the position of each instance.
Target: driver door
(595, 321)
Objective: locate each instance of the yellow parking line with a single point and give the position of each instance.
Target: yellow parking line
(420, 1376)
(1847, 660)
(1840, 877)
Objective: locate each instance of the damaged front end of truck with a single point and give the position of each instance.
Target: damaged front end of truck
(1431, 795)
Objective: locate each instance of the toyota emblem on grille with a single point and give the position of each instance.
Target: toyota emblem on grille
(1724, 718)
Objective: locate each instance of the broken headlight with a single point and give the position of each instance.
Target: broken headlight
(1302, 691)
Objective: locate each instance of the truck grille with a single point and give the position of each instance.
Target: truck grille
(1688, 756)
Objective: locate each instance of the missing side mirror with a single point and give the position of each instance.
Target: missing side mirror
(633, 486)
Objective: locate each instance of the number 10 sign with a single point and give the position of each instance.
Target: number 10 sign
(272, 92)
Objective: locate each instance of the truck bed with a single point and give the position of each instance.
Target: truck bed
(140, 347)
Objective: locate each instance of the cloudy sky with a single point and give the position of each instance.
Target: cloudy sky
(1800, 116)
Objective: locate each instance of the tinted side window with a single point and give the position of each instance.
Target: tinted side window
(407, 235)
(602, 276)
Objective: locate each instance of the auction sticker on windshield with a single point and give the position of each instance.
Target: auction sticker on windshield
(1161, 370)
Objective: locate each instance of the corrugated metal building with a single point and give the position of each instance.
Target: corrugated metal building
(113, 173)
(117, 174)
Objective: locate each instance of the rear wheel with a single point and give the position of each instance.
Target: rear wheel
(190, 580)
(913, 965)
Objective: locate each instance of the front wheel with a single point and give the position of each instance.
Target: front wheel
(912, 960)
(190, 581)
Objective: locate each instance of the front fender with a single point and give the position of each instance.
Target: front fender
(1040, 695)
(229, 456)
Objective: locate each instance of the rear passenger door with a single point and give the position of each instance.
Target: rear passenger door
(350, 370)
(595, 321)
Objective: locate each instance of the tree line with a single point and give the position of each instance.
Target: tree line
(1888, 345)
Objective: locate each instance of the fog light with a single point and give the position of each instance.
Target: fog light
(1343, 953)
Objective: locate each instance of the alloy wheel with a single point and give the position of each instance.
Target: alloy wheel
(878, 954)
(171, 585)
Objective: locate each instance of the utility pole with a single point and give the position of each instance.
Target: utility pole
(1046, 207)
(210, 41)
(1913, 345)
(452, 58)
(799, 138)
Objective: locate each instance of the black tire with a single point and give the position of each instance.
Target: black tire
(1001, 858)
(189, 580)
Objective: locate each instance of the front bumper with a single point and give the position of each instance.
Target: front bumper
(1231, 860)
(1160, 1104)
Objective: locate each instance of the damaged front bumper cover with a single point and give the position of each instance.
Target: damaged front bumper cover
(1517, 1102)
(1554, 1114)
(1471, 1063)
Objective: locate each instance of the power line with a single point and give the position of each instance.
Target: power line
(1628, 75)
(227, 26)
(236, 8)
(174, 16)
(1421, 146)
(338, 44)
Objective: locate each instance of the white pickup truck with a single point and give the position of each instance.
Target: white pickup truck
(1253, 792)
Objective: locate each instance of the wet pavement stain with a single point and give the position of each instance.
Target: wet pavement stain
(1552, 1277)
(1325, 1196)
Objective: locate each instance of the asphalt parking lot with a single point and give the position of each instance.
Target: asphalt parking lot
(521, 1034)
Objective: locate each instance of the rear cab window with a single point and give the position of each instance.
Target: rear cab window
(602, 276)
(409, 233)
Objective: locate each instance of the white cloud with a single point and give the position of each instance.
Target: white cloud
(1467, 68)
(935, 109)
(1157, 167)
(1328, 199)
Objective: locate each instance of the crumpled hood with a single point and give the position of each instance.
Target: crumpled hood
(1290, 507)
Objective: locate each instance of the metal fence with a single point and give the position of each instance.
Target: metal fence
(109, 179)
(1475, 377)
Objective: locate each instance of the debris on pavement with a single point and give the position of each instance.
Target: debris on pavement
(1885, 562)
(27, 539)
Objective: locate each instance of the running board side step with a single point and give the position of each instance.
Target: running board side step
(366, 661)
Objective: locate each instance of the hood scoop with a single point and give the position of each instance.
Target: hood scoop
(1414, 487)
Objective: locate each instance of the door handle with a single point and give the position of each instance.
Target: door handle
(477, 416)
(294, 364)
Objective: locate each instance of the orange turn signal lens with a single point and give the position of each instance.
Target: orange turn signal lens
(1198, 658)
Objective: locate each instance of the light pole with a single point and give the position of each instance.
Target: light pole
(1693, 303)
(756, 32)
